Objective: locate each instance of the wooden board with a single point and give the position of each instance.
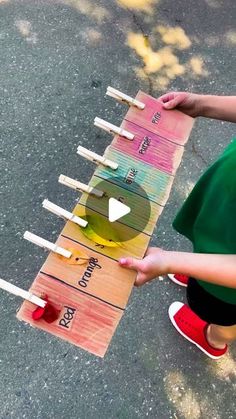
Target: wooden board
(136, 218)
(91, 297)
(150, 148)
(134, 247)
(155, 118)
(85, 321)
(132, 172)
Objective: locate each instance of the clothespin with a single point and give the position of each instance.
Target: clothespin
(63, 213)
(113, 129)
(47, 245)
(90, 155)
(78, 186)
(73, 256)
(116, 94)
(12, 289)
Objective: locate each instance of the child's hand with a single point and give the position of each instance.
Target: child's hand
(189, 103)
(153, 265)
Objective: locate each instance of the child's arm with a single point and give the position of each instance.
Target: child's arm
(216, 269)
(209, 106)
(218, 107)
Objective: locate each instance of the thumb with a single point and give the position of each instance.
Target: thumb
(171, 104)
(131, 263)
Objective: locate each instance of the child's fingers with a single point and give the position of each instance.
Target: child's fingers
(130, 263)
(167, 97)
(173, 103)
(173, 99)
(134, 264)
(140, 280)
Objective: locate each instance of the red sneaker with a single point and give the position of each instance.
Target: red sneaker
(179, 279)
(193, 329)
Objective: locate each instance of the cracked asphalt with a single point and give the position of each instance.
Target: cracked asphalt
(56, 60)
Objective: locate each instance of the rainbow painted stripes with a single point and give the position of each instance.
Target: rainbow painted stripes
(91, 297)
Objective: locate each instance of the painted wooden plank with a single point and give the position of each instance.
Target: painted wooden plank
(135, 247)
(91, 296)
(173, 125)
(132, 172)
(136, 218)
(83, 320)
(149, 148)
(98, 276)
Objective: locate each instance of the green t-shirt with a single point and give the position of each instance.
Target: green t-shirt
(208, 216)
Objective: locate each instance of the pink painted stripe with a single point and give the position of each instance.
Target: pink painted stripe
(173, 125)
(89, 323)
(149, 148)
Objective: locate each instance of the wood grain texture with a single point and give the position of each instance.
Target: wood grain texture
(173, 125)
(131, 173)
(100, 276)
(149, 148)
(136, 218)
(91, 295)
(135, 247)
(93, 322)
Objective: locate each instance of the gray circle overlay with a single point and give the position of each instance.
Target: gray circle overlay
(127, 227)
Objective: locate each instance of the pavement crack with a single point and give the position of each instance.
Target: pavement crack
(196, 152)
(147, 42)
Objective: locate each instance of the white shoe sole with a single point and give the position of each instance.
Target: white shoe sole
(173, 309)
(173, 279)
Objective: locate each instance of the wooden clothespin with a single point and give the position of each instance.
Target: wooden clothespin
(90, 155)
(12, 289)
(78, 186)
(113, 129)
(63, 213)
(44, 308)
(47, 245)
(74, 256)
(116, 94)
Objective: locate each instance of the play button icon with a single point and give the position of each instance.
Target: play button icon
(117, 210)
(120, 214)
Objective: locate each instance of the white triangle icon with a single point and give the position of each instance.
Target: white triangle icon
(117, 210)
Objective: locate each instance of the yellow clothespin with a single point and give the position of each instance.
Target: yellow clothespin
(113, 129)
(116, 94)
(90, 155)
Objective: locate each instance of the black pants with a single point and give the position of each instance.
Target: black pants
(208, 307)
